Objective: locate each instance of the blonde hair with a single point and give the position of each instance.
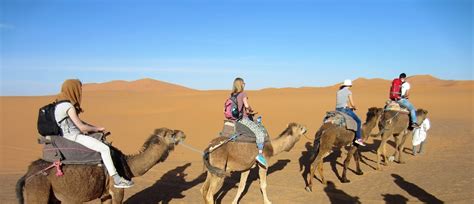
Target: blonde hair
(238, 85)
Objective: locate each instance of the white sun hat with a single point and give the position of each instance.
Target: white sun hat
(347, 82)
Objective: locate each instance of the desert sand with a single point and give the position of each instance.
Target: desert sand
(132, 110)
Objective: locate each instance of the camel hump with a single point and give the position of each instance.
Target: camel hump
(391, 105)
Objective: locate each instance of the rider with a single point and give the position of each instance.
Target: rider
(345, 103)
(404, 100)
(242, 101)
(74, 129)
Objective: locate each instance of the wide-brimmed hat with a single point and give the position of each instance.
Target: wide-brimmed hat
(347, 82)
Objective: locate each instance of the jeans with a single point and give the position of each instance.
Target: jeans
(258, 130)
(404, 102)
(351, 113)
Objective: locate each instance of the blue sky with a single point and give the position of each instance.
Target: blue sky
(206, 44)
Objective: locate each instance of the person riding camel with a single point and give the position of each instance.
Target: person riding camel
(245, 112)
(403, 100)
(345, 104)
(75, 130)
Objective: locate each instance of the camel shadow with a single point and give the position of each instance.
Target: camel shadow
(415, 190)
(170, 186)
(339, 196)
(234, 179)
(394, 198)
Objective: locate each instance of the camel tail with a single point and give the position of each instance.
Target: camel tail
(19, 189)
(212, 169)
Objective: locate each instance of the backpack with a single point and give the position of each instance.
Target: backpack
(396, 89)
(47, 124)
(231, 108)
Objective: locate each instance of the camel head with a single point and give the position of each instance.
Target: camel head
(293, 133)
(374, 113)
(169, 137)
(421, 114)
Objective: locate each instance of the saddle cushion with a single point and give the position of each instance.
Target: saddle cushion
(340, 119)
(245, 134)
(394, 106)
(58, 148)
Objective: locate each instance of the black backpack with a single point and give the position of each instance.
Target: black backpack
(47, 124)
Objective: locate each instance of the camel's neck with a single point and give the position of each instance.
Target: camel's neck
(282, 143)
(368, 127)
(139, 164)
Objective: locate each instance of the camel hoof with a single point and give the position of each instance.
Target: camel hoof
(359, 173)
(345, 181)
(309, 189)
(391, 158)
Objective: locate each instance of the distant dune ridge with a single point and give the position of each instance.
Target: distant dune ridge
(132, 110)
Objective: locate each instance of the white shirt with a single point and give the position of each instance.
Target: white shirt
(61, 111)
(405, 87)
(419, 135)
(69, 129)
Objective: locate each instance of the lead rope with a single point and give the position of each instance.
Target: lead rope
(192, 148)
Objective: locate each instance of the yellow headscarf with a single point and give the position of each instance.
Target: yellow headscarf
(71, 90)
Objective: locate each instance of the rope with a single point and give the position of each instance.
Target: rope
(191, 148)
(56, 164)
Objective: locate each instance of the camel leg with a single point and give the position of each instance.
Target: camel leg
(358, 158)
(37, 190)
(397, 145)
(117, 195)
(214, 185)
(262, 174)
(243, 181)
(401, 146)
(381, 149)
(346, 164)
(313, 167)
(205, 186)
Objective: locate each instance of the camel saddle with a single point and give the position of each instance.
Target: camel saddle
(58, 148)
(241, 133)
(340, 119)
(391, 105)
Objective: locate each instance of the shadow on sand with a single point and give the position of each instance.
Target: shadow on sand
(233, 181)
(338, 196)
(394, 198)
(170, 186)
(415, 190)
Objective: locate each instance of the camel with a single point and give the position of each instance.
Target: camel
(397, 124)
(330, 135)
(240, 157)
(82, 183)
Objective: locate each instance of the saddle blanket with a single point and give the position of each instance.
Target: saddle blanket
(68, 152)
(340, 119)
(394, 106)
(244, 134)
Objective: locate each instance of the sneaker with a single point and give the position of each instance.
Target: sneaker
(260, 159)
(359, 142)
(124, 183)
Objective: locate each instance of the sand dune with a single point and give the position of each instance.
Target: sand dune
(132, 110)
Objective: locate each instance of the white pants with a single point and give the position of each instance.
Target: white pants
(98, 146)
